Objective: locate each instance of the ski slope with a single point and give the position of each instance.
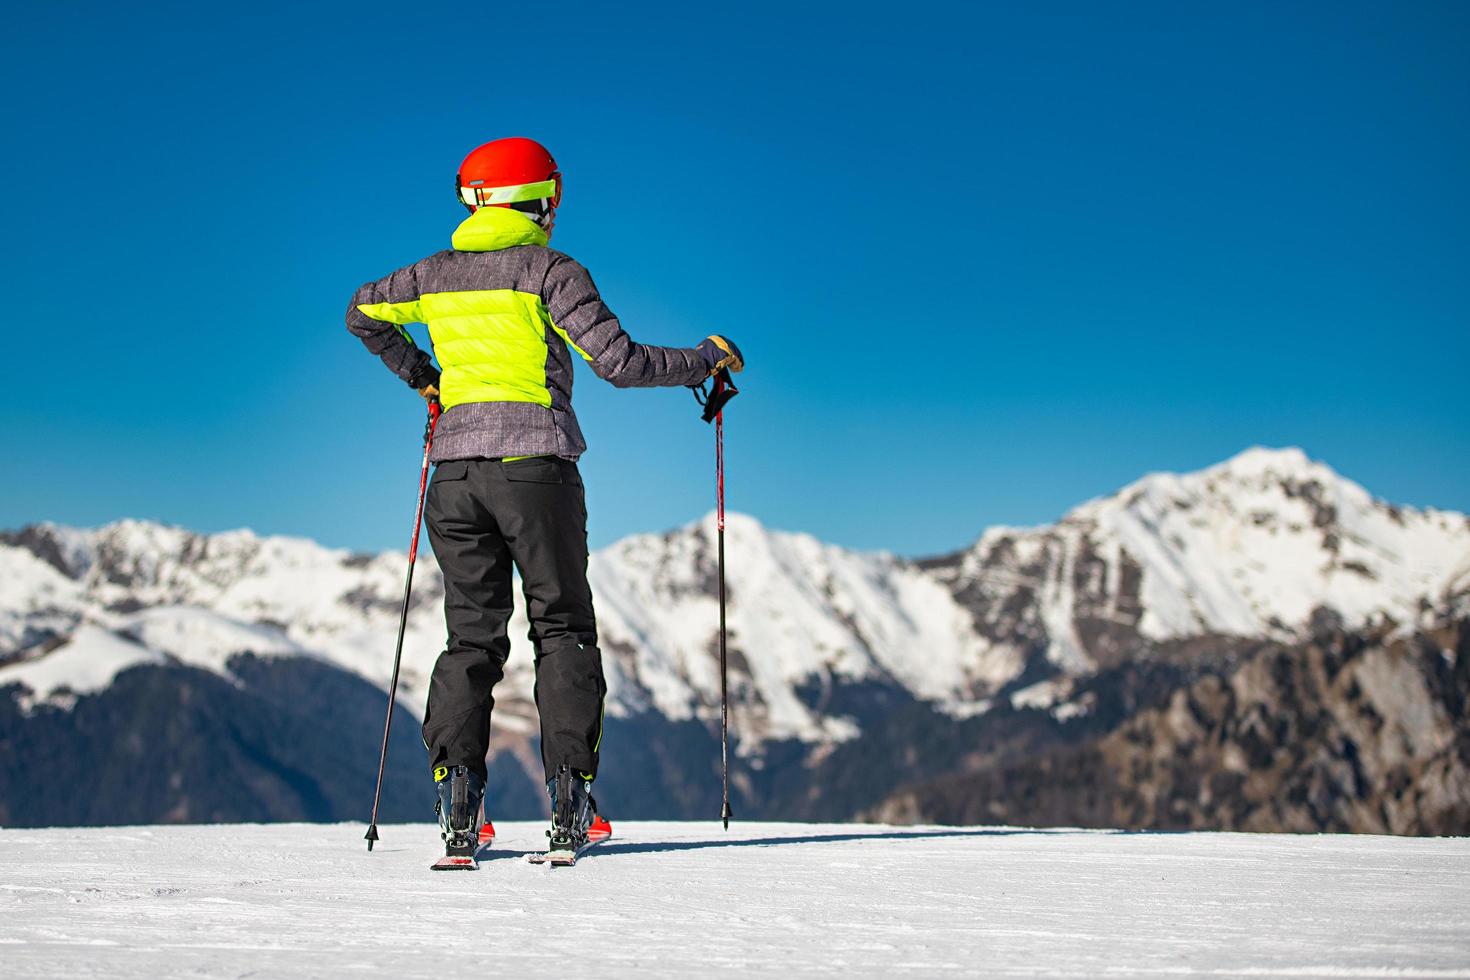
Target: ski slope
(682, 899)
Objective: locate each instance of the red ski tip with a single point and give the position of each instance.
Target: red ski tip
(600, 830)
(487, 833)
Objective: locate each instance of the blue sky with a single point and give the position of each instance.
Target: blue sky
(985, 261)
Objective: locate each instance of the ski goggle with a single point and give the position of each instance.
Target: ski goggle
(475, 195)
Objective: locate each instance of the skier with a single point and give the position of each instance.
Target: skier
(504, 313)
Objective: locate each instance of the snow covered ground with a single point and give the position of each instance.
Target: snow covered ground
(680, 899)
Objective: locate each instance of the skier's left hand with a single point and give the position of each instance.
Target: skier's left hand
(430, 393)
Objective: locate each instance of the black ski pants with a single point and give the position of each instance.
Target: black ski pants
(485, 516)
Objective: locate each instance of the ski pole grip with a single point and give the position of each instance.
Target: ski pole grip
(724, 390)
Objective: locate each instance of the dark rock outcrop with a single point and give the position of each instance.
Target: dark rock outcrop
(1349, 732)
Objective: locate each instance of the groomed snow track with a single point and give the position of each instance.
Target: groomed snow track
(683, 899)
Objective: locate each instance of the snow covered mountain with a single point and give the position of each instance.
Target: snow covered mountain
(1254, 547)
(80, 606)
(829, 646)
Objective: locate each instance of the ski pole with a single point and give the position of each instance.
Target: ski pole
(714, 410)
(413, 551)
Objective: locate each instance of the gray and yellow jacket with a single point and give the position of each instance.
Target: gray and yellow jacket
(502, 311)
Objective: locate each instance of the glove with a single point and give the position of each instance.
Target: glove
(719, 352)
(426, 382)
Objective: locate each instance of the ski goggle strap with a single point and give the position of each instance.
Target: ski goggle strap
(477, 196)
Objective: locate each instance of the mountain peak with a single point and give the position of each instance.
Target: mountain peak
(1259, 461)
(1280, 473)
(1252, 546)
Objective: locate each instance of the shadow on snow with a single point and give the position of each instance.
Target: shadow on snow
(654, 847)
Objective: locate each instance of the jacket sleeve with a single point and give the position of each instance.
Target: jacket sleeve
(377, 314)
(579, 315)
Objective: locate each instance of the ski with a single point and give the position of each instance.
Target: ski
(560, 857)
(468, 862)
(456, 862)
(600, 831)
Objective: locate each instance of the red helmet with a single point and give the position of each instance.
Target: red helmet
(510, 171)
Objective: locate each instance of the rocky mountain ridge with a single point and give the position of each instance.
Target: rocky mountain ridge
(1348, 732)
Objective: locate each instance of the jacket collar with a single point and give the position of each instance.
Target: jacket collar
(491, 229)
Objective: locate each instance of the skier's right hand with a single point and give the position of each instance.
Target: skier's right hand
(720, 353)
(430, 393)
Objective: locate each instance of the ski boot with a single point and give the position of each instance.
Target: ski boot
(574, 819)
(461, 809)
